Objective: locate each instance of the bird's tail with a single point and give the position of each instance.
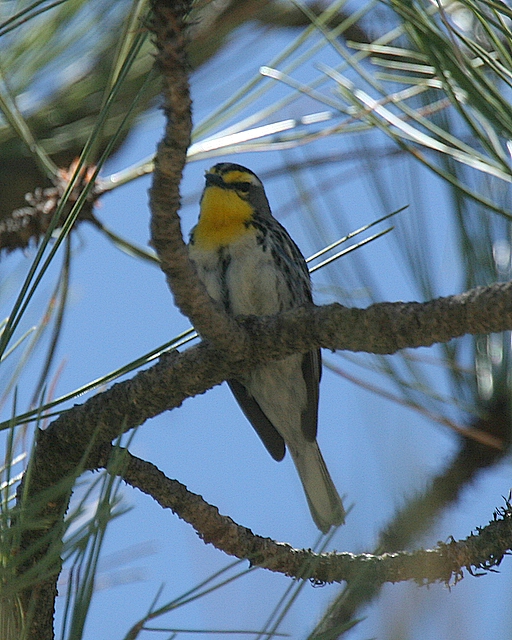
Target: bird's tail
(324, 502)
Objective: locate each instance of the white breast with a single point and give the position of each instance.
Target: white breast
(246, 273)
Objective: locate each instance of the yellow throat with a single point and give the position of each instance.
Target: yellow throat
(223, 218)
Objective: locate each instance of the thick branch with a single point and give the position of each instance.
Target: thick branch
(385, 328)
(189, 294)
(382, 328)
(483, 550)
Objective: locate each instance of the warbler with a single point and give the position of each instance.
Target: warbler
(249, 263)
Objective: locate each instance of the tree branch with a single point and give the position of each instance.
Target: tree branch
(382, 328)
(418, 515)
(385, 328)
(483, 550)
(190, 295)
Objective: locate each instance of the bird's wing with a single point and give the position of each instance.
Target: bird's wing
(312, 372)
(262, 425)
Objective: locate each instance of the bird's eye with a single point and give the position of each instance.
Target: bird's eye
(243, 187)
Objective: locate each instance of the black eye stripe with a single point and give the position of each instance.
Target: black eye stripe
(213, 179)
(239, 186)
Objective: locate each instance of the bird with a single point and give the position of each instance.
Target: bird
(249, 264)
